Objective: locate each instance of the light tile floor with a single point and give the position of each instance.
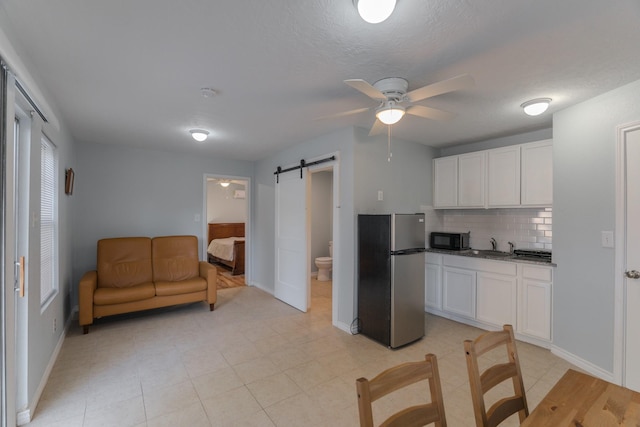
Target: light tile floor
(254, 361)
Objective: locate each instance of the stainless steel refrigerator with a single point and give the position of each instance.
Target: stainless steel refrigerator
(391, 277)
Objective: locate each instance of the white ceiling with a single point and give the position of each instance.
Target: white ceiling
(130, 72)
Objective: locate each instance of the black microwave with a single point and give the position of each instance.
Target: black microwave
(451, 241)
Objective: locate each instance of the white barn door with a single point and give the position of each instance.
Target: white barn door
(292, 270)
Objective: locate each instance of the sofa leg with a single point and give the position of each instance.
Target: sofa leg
(210, 307)
(85, 329)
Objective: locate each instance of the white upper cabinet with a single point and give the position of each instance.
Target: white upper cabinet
(537, 173)
(459, 181)
(513, 176)
(471, 177)
(445, 182)
(503, 170)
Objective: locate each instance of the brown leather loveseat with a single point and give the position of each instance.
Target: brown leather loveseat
(140, 273)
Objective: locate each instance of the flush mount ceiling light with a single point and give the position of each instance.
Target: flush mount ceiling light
(374, 11)
(207, 92)
(199, 134)
(390, 113)
(535, 107)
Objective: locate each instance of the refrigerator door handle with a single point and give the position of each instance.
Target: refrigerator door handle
(408, 251)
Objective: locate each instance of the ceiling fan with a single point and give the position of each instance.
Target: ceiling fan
(395, 101)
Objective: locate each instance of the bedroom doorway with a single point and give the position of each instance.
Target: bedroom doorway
(226, 219)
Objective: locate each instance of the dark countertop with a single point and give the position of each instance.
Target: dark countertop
(498, 256)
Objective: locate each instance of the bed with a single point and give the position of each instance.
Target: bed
(226, 245)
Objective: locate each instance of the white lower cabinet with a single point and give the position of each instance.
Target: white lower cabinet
(433, 290)
(489, 294)
(496, 299)
(534, 305)
(459, 291)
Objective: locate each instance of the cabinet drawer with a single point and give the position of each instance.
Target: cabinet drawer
(536, 273)
(433, 258)
(479, 264)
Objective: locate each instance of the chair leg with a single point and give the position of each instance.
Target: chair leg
(210, 307)
(85, 329)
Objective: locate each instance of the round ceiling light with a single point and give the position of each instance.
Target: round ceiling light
(207, 92)
(390, 113)
(199, 134)
(535, 107)
(375, 11)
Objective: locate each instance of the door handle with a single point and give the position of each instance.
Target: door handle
(20, 287)
(632, 274)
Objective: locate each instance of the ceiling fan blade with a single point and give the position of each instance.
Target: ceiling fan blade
(377, 128)
(344, 113)
(464, 81)
(367, 89)
(429, 113)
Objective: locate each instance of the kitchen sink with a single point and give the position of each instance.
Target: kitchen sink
(489, 253)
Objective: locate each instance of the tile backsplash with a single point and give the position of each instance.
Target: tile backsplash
(528, 228)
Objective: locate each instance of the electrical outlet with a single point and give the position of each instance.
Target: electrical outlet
(380, 195)
(55, 325)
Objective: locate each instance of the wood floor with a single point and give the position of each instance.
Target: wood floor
(226, 280)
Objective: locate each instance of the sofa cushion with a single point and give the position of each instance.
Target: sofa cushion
(108, 296)
(197, 284)
(175, 258)
(124, 262)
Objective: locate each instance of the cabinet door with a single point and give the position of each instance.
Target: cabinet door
(471, 179)
(445, 182)
(459, 291)
(537, 173)
(433, 294)
(535, 309)
(496, 303)
(503, 169)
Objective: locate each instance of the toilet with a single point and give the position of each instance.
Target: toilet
(324, 265)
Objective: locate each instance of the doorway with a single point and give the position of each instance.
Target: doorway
(628, 254)
(293, 229)
(226, 206)
(320, 205)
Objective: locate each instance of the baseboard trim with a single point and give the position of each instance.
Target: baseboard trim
(583, 364)
(261, 287)
(24, 417)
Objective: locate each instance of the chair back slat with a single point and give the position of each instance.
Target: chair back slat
(396, 378)
(481, 382)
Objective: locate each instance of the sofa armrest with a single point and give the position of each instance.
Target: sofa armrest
(210, 274)
(86, 288)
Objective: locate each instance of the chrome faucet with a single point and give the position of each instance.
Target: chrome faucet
(511, 247)
(494, 244)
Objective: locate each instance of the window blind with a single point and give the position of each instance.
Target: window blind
(48, 221)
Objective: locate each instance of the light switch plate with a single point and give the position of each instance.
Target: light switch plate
(607, 239)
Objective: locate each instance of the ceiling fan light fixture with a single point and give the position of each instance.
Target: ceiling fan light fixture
(199, 134)
(375, 11)
(390, 113)
(535, 107)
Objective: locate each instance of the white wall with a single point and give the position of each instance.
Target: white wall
(124, 191)
(263, 213)
(36, 340)
(363, 169)
(221, 204)
(405, 181)
(584, 144)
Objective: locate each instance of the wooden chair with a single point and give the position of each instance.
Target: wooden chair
(394, 379)
(482, 382)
